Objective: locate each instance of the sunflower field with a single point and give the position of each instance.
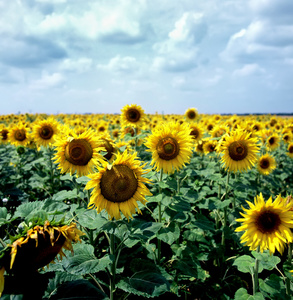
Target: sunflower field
(136, 206)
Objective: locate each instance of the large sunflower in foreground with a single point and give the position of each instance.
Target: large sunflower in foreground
(44, 132)
(78, 153)
(267, 225)
(36, 248)
(119, 186)
(18, 135)
(132, 115)
(239, 151)
(171, 146)
(266, 164)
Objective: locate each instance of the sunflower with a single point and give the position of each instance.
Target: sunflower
(3, 134)
(132, 115)
(78, 153)
(209, 146)
(18, 135)
(267, 224)
(273, 142)
(290, 150)
(109, 146)
(45, 131)
(171, 146)
(239, 151)
(36, 248)
(266, 164)
(118, 187)
(191, 114)
(196, 132)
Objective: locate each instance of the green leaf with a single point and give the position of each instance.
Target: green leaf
(268, 262)
(169, 234)
(84, 261)
(273, 287)
(204, 223)
(91, 219)
(26, 209)
(242, 294)
(244, 264)
(65, 195)
(147, 280)
(84, 180)
(3, 213)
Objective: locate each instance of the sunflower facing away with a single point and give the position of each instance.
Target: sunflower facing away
(119, 186)
(266, 164)
(45, 131)
(78, 153)
(37, 248)
(132, 115)
(171, 146)
(239, 151)
(267, 224)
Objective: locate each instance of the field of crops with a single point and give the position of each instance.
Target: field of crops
(136, 206)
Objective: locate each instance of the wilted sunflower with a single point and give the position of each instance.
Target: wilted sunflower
(191, 114)
(118, 187)
(171, 146)
(132, 115)
(78, 153)
(273, 142)
(36, 248)
(239, 151)
(45, 131)
(266, 164)
(18, 135)
(267, 224)
(290, 150)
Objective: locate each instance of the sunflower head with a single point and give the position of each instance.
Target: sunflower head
(191, 114)
(267, 225)
(45, 131)
(266, 164)
(19, 135)
(79, 154)
(171, 146)
(290, 150)
(118, 187)
(273, 142)
(132, 115)
(239, 151)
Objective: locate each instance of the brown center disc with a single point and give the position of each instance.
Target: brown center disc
(133, 115)
(268, 221)
(78, 152)
(20, 135)
(238, 150)
(118, 184)
(168, 148)
(46, 132)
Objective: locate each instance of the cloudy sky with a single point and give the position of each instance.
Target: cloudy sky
(95, 56)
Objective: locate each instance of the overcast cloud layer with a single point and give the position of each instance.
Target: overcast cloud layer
(74, 56)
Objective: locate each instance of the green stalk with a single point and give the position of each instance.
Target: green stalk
(50, 150)
(289, 260)
(113, 267)
(160, 215)
(225, 210)
(255, 276)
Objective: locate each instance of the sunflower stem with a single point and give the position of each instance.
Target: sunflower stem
(50, 150)
(160, 215)
(255, 275)
(225, 210)
(113, 267)
(289, 260)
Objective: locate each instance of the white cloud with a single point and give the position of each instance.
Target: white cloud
(79, 65)
(248, 70)
(127, 64)
(47, 81)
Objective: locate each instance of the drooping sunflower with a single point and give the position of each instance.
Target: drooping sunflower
(266, 164)
(290, 150)
(118, 187)
(239, 151)
(45, 131)
(191, 114)
(78, 153)
(132, 115)
(19, 135)
(171, 146)
(267, 224)
(36, 248)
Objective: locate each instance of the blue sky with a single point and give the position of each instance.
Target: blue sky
(75, 56)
